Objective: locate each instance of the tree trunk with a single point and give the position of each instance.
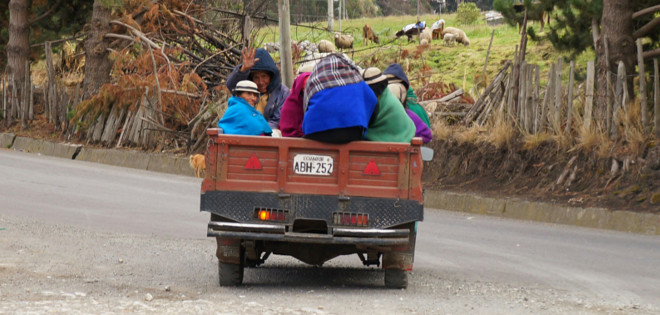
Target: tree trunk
(617, 25)
(97, 63)
(18, 49)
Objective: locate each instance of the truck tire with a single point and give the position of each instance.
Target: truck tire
(396, 279)
(230, 275)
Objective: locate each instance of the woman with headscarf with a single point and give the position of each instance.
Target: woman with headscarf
(258, 66)
(399, 85)
(389, 122)
(337, 102)
(241, 118)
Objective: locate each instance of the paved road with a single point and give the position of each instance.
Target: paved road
(464, 263)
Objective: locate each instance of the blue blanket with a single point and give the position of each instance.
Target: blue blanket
(340, 107)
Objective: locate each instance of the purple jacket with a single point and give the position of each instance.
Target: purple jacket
(423, 130)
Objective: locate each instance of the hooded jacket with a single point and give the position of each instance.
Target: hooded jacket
(277, 92)
(241, 118)
(396, 71)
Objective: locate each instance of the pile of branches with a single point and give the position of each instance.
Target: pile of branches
(171, 59)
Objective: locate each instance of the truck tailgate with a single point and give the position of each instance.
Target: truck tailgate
(302, 166)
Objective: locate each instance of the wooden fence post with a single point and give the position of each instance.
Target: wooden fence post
(535, 102)
(546, 109)
(620, 99)
(609, 115)
(558, 98)
(656, 97)
(569, 105)
(521, 93)
(589, 95)
(4, 98)
(642, 85)
(483, 73)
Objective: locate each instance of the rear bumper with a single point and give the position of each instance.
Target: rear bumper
(239, 206)
(338, 236)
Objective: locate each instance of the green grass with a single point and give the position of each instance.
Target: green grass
(457, 65)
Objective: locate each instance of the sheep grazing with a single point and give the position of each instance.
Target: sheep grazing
(326, 46)
(437, 28)
(425, 37)
(449, 39)
(460, 35)
(343, 41)
(368, 35)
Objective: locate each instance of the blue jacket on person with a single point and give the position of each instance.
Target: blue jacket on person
(277, 92)
(241, 118)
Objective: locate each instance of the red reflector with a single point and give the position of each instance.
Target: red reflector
(371, 169)
(253, 163)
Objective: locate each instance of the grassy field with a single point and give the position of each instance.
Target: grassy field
(457, 65)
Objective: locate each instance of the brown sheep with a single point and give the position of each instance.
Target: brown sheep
(437, 29)
(368, 35)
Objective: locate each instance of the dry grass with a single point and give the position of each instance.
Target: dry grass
(631, 129)
(472, 134)
(533, 141)
(501, 133)
(441, 131)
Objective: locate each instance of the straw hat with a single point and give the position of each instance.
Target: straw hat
(246, 86)
(373, 75)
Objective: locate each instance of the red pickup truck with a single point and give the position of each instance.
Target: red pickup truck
(313, 201)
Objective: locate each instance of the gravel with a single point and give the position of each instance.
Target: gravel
(62, 269)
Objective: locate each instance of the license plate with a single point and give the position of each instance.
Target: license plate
(309, 164)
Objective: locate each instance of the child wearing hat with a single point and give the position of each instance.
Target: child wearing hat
(241, 118)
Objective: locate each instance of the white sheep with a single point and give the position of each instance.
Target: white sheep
(325, 46)
(460, 35)
(343, 41)
(449, 39)
(425, 36)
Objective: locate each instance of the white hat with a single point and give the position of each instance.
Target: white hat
(373, 75)
(246, 86)
(398, 90)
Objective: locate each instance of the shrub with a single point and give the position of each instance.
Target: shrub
(468, 13)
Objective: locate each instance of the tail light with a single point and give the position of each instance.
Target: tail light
(267, 214)
(352, 219)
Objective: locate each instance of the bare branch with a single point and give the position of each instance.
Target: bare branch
(644, 30)
(646, 11)
(46, 14)
(651, 53)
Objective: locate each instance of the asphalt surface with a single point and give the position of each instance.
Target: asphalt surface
(52, 207)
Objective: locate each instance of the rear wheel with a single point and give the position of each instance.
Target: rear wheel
(230, 274)
(396, 278)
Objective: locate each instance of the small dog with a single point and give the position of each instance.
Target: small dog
(198, 163)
